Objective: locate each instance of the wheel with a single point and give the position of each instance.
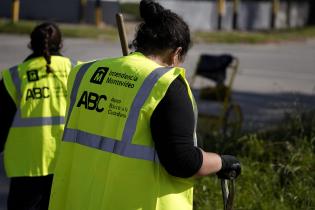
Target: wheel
(232, 121)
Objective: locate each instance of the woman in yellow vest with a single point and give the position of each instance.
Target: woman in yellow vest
(32, 109)
(129, 140)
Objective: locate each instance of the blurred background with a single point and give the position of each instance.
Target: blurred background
(251, 69)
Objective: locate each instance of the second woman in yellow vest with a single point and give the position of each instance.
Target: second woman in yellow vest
(129, 140)
(32, 109)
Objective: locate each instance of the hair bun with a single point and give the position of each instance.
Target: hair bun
(150, 10)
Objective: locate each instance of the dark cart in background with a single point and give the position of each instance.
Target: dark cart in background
(221, 71)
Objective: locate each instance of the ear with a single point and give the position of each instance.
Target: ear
(175, 56)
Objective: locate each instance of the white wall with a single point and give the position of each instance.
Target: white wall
(202, 15)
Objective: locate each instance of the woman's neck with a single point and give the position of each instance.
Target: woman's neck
(158, 59)
(162, 59)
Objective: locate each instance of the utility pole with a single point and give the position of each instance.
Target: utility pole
(235, 14)
(98, 13)
(275, 9)
(82, 10)
(15, 11)
(221, 12)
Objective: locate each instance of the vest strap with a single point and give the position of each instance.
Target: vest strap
(110, 145)
(16, 79)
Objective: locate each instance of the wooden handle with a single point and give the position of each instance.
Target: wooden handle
(15, 10)
(122, 33)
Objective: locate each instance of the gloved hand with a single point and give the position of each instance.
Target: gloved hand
(231, 167)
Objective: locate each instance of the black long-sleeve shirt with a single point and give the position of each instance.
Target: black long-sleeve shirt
(7, 112)
(172, 127)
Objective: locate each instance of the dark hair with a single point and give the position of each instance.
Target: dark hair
(161, 30)
(46, 39)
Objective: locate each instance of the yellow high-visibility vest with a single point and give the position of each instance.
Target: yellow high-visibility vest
(107, 158)
(37, 128)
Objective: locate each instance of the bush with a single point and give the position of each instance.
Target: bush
(278, 169)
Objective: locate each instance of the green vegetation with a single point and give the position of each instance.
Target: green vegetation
(68, 30)
(131, 10)
(110, 33)
(278, 168)
(255, 37)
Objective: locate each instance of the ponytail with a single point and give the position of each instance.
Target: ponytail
(45, 40)
(46, 53)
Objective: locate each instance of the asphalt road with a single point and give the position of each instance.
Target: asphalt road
(273, 79)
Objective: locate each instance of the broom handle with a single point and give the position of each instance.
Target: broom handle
(122, 33)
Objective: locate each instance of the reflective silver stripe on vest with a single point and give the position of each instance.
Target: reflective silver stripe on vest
(30, 121)
(76, 85)
(16, 80)
(35, 121)
(110, 145)
(196, 121)
(139, 100)
(123, 147)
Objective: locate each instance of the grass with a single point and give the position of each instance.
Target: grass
(110, 33)
(255, 37)
(68, 30)
(278, 168)
(131, 9)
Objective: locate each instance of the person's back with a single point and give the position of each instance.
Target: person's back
(109, 124)
(38, 124)
(32, 109)
(116, 152)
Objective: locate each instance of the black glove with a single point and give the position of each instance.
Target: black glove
(231, 167)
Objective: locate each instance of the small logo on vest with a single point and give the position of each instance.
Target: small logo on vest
(99, 75)
(32, 75)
